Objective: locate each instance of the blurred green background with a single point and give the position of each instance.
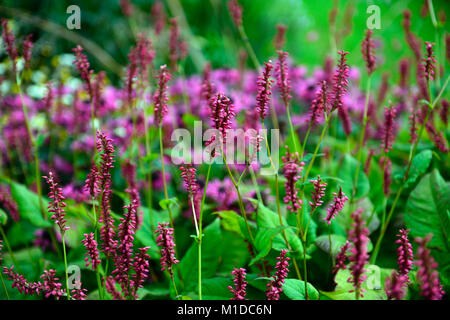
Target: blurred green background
(213, 37)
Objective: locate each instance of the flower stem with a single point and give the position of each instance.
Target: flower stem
(65, 265)
(166, 194)
(4, 285)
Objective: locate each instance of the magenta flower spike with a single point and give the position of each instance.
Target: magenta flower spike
(388, 128)
(165, 241)
(292, 169)
(395, 286)
(160, 97)
(141, 267)
(275, 287)
(429, 62)
(236, 12)
(283, 78)
(264, 84)
(338, 204)
(10, 42)
(367, 49)
(341, 258)
(92, 255)
(318, 193)
(404, 253)
(359, 256)
(339, 89)
(240, 284)
(319, 105)
(27, 46)
(56, 204)
(427, 275)
(83, 66)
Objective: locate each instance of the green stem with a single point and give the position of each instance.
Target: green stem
(175, 288)
(291, 127)
(166, 194)
(8, 247)
(4, 285)
(65, 264)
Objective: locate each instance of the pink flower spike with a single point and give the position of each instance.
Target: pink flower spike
(239, 291)
(275, 287)
(165, 241)
(236, 12)
(160, 97)
(92, 254)
(396, 286)
(283, 79)
(292, 169)
(429, 62)
(318, 193)
(264, 85)
(56, 205)
(367, 49)
(338, 204)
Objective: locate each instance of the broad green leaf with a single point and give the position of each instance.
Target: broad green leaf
(235, 258)
(268, 219)
(294, 289)
(230, 221)
(347, 172)
(168, 203)
(263, 242)
(216, 289)
(211, 254)
(145, 234)
(427, 210)
(28, 205)
(419, 165)
(373, 285)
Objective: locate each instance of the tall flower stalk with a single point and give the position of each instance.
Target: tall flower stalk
(56, 207)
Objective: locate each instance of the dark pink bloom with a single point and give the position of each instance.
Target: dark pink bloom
(190, 182)
(9, 42)
(92, 254)
(159, 16)
(56, 205)
(280, 37)
(83, 66)
(395, 286)
(222, 114)
(144, 54)
(207, 90)
(429, 62)
(411, 39)
(359, 256)
(318, 193)
(8, 203)
(264, 85)
(388, 128)
(339, 89)
(127, 8)
(22, 284)
(319, 104)
(78, 293)
(49, 97)
(404, 67)
(341, 258)
(129, 172)
(51, 285)
(165, 241)
(141, 267)
(404, 253)
(26, 50)
(236, 12)
(427, 275)
(413, 119)
(337, 206)
(292, 169)
(275, 287)
(174, 43)
(110, 285)
(283, 79)
(367, 49)
(123, 258)
(92, 181)
(437, 137)
(160, 97)
(106, 150)
(386, 164)
(239, 290)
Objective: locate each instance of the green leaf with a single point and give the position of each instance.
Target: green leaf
(267, 219)
(263, 242)
(427, 210)
(3, 217)
(216, 289)
(337, 241)
(373, 285)
(211, 255)
(28, 205)
(168, 203)
(419, 165)
(230, 221)
(294, 289)
(347, 172)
